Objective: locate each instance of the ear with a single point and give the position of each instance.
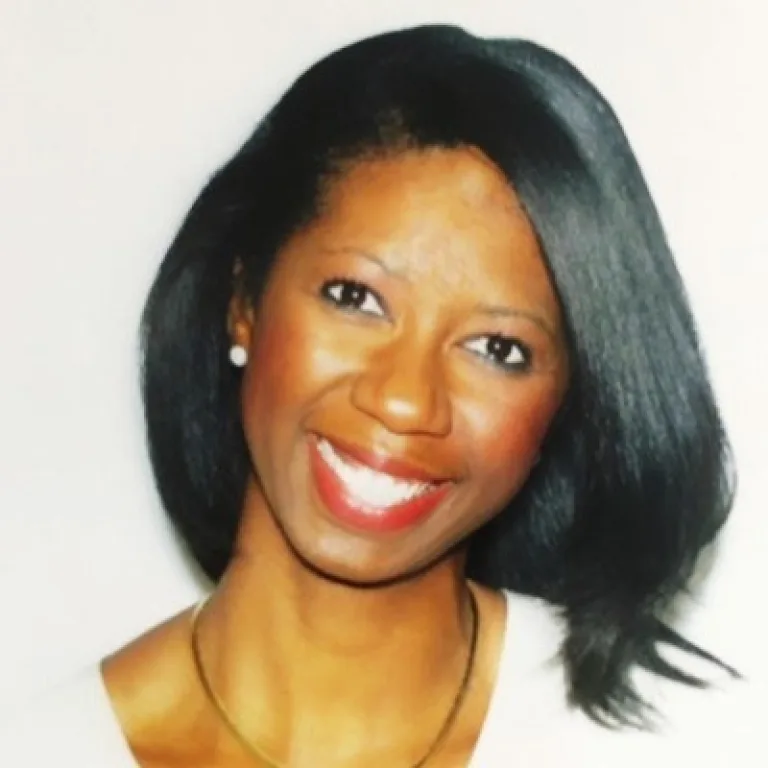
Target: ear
(240, 315)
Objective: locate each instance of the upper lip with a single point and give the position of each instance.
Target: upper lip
(383, 462)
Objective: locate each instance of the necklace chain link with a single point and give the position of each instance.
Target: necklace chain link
(259, 755)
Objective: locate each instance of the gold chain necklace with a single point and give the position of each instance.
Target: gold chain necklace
(256, 753)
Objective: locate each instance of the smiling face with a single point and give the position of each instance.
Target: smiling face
(405, 363)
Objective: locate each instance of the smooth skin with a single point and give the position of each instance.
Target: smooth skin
(413, 317)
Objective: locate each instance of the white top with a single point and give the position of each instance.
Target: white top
(528, 723)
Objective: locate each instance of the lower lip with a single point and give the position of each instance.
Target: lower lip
(349, 510)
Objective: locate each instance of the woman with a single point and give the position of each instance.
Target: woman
(421, 382)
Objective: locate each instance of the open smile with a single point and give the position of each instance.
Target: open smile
(372, 492)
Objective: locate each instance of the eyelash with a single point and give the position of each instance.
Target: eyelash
(356, 285)
(511, 368)
(517, 367)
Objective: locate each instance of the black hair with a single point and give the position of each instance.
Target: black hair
(635, 477)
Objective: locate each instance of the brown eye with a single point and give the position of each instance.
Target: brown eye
(503, 351)
(352, 295)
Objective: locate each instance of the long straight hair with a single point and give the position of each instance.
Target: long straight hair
(634, 479)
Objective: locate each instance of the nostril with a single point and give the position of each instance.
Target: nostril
(403, 409)
(402, 387)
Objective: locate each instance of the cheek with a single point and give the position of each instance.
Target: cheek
(293, 360)
(507, 439)
(275, 371)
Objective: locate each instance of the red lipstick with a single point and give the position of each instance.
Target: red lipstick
(349, 509)
(397, 468)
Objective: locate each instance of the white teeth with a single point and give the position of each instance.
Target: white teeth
(373, 488)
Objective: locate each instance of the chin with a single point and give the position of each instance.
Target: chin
(361, 563)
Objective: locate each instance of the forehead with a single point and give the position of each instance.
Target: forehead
(421, 188)
(445, 215)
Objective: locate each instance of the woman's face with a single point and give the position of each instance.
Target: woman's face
(405, 363)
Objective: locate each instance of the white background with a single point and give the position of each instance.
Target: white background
(112, 115)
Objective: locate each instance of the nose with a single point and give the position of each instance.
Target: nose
(403, 387)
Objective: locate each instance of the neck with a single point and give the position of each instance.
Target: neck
(293, 654)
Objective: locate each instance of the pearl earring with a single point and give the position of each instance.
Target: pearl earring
(238, 355)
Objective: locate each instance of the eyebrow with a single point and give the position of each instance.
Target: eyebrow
(485, 309)
(369, 257)
(534, 317)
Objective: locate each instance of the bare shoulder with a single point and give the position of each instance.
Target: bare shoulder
(492, 607)
(151, 685)
(492, 617)
(492, 614)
